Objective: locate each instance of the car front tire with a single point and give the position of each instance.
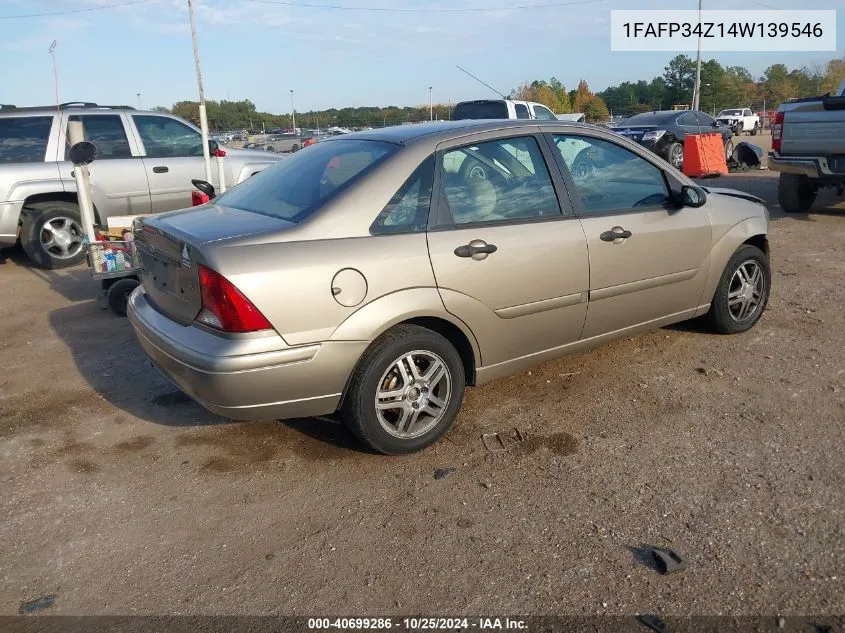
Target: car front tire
(405, 392)
(742, 293)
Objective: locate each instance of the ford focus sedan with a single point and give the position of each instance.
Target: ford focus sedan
(380, 273)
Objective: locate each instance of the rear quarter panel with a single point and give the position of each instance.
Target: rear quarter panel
(291, 283)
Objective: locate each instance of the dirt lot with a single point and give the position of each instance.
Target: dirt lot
(120, 496)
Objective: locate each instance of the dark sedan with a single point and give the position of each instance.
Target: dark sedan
(664, 131)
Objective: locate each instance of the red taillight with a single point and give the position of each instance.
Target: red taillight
(225, 308)
(198, 198)
(777, 131)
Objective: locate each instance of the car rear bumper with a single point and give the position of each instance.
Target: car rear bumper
(10, 213)
(230, 378)
(811, 166)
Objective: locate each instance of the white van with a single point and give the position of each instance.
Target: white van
(501, 109)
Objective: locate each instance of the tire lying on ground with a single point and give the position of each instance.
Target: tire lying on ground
(51, 234)
(796, 193)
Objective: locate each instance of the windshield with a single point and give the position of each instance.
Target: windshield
(730, 113)
(480, 110)
(293, 189)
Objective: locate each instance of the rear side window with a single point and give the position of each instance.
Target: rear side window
(407, 211)
(294, 188)
(687, 119)
(24, 139)
(106, 132)
(480, 110)
(521, 111)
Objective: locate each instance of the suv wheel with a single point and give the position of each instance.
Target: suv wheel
(51, 234)
(796, 193)
(405, 392)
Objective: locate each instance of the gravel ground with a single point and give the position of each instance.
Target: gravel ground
(121, 496)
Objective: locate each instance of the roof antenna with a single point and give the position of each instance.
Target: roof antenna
(481, 82)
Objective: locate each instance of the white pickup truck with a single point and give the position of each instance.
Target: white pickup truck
(808, 149)
(740, 120)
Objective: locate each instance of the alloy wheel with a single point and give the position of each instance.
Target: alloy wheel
(61, 237)
(745, 293)
(413, 394)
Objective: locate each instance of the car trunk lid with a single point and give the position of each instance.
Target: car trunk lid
(171, 248)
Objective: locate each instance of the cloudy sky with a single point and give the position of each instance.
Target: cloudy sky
(361, 55)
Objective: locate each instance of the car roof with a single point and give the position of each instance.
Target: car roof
(438, 131)
(73, 108)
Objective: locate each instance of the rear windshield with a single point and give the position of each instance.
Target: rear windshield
(294, 188)
(24, 139)
(650, 118)
(480, 110)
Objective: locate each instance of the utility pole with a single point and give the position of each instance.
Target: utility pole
(292, 112)
(696, 91)
(430, 106)
(203, 116)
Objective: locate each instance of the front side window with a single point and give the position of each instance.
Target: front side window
(294, 188)
(106, 132)
(608, 177)
(521, 111)
(504, 179)
(164, 137)
(407, 211)
(24, 139)
(544, 113)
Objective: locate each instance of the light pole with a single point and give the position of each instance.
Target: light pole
(696, 90)
(206, 153)
(430, 106)
(292, 112)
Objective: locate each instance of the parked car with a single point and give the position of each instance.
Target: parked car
(283, 143)
(145, 165)
(501, 109)
(808, 149)
(337, 280)
(664, 131)
(740, 120)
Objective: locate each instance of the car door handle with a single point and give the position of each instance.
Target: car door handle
(616, 233)
(476, 247)
(160, 169)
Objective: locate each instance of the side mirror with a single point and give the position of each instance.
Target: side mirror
(213, 146)
(692, 196)
(206, 187)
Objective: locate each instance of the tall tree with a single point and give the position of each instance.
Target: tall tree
(679, 76)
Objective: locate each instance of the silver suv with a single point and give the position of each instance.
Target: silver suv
(145, 165)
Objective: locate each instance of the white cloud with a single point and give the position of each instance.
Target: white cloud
(56, 29)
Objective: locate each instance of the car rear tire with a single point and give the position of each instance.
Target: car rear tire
(405, 392)
(796, 193)
(269, 148)
(755, 129)
(294, 149)
(742, 293)
(51, 234)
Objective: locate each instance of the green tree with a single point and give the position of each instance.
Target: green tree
(679, 76)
